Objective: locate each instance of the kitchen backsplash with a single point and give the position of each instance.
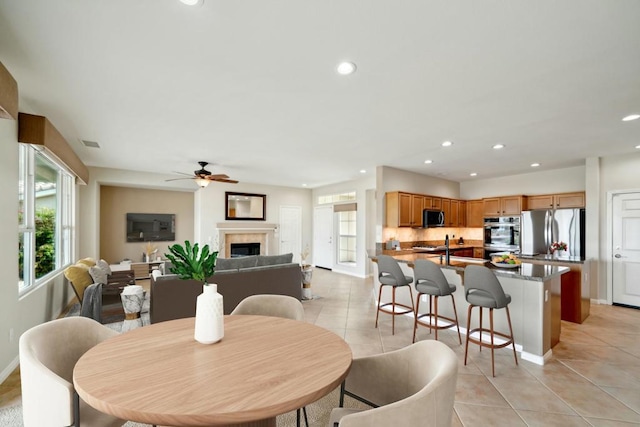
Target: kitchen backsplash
(405, 234)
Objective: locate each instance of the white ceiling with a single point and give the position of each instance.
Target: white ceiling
(250, 85)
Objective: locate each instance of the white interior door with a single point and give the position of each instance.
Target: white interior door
(291, 231)
(323, 237)
(625, 249)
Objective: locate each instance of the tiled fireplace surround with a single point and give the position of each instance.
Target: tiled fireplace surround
(245, 233)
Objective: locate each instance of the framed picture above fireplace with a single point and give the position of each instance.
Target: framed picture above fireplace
(245, 206)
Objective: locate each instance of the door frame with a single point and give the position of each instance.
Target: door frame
(609, 235)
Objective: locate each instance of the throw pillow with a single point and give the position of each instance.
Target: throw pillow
(79, 277)
(104, 265)
(275, 259)
(89, 262)
(98, 275)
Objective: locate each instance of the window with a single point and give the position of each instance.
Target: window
(336, 198)
(46, 194)
(346, 232)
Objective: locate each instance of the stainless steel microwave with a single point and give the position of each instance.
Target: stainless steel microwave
(432, 218)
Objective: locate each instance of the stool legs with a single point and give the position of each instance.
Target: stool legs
(393, 305)
(492, 333)
(433, 313)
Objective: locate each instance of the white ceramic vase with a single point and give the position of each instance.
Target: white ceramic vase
(209, 315)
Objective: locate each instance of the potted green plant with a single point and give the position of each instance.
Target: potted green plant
(307, 272)
(189, 262)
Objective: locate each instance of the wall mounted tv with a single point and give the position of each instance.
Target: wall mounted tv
(149, 227)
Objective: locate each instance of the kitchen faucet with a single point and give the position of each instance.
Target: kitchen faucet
(446, 244)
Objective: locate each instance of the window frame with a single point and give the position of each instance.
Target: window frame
(64, 236)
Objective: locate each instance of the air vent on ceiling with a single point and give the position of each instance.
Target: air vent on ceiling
(91, 144)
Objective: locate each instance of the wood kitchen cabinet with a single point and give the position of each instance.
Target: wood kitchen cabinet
(478, 252)
(431, 202)
(457, 213)
(404, 209)
(475, 213)
(503, 206)
(446, 210)
(556, 201)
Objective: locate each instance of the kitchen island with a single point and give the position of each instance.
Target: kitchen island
(535, 298)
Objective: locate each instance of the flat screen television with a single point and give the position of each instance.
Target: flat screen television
(150, 227)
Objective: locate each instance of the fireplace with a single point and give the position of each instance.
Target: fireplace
(244, 249)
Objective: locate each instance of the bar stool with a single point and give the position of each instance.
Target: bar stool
(390, 274)
(430, 281)
(483, 290)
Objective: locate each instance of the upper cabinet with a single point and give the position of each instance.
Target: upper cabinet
(556, 201)
(475, 213)
(431, 202)
(503, 206)
(404, 209)
(457, 216)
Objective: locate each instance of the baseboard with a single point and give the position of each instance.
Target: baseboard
(599, 301)
(9, 369)
(538, 360)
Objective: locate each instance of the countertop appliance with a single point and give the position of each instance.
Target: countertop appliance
(540, 228)
(431, 218)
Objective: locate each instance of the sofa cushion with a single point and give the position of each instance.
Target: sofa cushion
(104, 265)
(98, 275)
(273, 259)
(236, 263)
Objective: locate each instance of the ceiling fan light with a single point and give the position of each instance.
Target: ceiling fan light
(202, 183)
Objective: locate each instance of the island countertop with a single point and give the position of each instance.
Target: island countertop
(526, 271)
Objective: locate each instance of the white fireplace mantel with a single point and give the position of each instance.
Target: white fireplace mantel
(246, 232)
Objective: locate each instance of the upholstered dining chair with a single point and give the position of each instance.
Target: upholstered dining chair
(413, 386)
(276, 306)
(48, 353)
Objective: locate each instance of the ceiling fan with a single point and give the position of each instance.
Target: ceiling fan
(203, 177)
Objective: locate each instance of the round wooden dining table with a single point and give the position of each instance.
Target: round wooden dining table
(263, 367)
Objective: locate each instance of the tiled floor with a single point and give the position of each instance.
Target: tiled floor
(593, 378)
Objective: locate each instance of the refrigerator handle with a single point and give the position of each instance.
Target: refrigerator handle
(547, 230)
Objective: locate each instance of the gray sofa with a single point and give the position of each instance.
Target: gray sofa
(237, 278)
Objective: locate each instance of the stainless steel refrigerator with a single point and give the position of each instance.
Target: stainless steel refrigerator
(540, 228)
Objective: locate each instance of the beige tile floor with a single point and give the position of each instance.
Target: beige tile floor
(593, 378)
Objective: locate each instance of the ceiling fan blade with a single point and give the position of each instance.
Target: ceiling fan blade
(176, 179)
(182, 173)
(218, 175)
(230, 181)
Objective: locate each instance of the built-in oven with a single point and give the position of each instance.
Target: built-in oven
(501, 234)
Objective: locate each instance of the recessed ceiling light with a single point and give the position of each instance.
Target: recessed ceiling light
(535, 165)
(638, 146)
(631, 117)
(447, 144)
(428, 162)
(498, 146)
(473, 174)
(192, 2)
(346, 68)
(304, 185)
(363, 171)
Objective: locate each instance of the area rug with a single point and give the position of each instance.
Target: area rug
(317, 412)
(113, 313)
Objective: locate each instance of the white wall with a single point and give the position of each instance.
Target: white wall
(541, 182)
(363, 188)
(209, 208)
(39, 305)
(616, 173)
